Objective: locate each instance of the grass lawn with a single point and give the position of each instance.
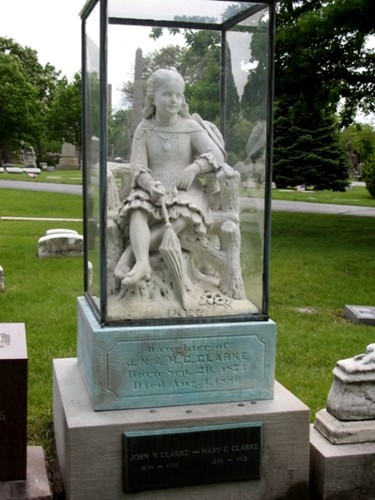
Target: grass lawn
(357, 196)
(319, 263)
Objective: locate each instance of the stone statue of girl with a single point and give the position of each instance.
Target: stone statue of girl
(172, 153)
(170, 150)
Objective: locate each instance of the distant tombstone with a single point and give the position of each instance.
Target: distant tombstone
(14, 170)
(68, 160)
(30, 157)
(60, 244)
(13, 402)
(360, 314)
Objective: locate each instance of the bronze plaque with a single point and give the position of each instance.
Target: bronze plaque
(168, 458)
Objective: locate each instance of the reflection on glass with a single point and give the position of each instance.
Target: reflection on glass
(92, 137)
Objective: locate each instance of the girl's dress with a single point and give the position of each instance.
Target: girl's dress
(164, 152)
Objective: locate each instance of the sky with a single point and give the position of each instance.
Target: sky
(51, 27)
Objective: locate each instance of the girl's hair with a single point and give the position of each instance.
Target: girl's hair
(157, 79)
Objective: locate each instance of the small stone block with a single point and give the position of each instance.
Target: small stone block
(138, 367)
(2, 280)
(341, 471)
(35, 486)
(360, 314)
(13, 401)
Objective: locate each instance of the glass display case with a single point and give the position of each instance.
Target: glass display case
(177, 198)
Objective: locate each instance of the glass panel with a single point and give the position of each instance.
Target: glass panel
(246, 133)
(213, 265)
(92, 137)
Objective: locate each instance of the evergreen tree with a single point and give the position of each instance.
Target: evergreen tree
(308, 151)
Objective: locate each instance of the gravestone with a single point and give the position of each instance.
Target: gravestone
(30, 158)
(68, 160)
(360, 314)
(14, 170)
(2, 280)
(23, 472)
(60, 243)
(342, 439)
(13, 402)
(172, 393)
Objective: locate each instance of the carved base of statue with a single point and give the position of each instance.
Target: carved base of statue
(161, 297)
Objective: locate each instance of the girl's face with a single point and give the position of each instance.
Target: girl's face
(168, 100)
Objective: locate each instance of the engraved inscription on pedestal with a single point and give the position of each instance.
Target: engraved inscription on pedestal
(191, 365)
(185, 456)
(141, 367)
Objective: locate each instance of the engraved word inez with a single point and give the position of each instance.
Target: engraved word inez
(4, 340)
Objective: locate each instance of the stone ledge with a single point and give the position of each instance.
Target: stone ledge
(36, 485)
(344, 432)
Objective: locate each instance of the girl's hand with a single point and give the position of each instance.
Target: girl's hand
(187, 177)
(157, 190)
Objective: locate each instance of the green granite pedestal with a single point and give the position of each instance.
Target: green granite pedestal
(151, 366)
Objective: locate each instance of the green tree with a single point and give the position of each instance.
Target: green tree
(358, 138)
(63, 116)
(369, 174)
(321, 60)
(321, 51)
(119, 133)
(308, 152)
(18, 107)
(43, 81)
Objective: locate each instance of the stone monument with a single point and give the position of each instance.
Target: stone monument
(30, 158)
(60, 243)
(68, 159)
(172, 393)
(343, 436)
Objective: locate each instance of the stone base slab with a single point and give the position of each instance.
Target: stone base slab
(343, 432)
(341, 471)
(36, 485)
(89, 443)
(168, 365)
